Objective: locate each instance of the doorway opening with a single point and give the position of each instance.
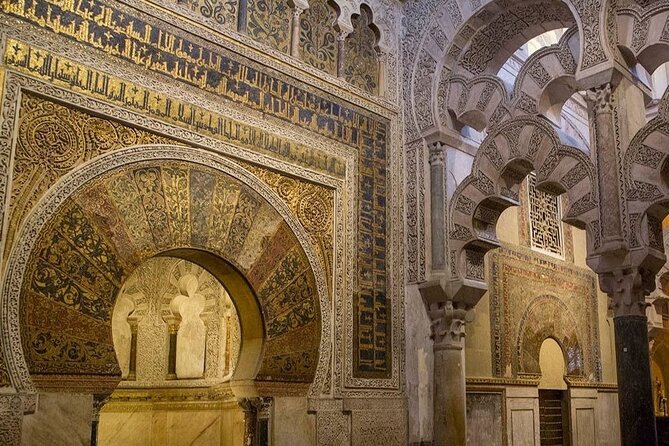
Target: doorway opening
(553, 399)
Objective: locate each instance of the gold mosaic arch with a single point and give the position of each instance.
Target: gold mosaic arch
(101, 221)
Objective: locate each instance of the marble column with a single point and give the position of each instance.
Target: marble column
(132, 367)
(250, 407)
(601, 104)
(295, 32)
(98, 402)
(448, 332)
(437, 206)
(627, 291)
(341, 52)
(173, 330)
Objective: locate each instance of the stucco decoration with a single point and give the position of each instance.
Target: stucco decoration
(544, 83)
(534, 297)
(493, 43)
(477, 38)
(506, 156)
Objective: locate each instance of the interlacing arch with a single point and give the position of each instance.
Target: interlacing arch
(644, 39)
(543, 85)
(646, 176)
(516, 148)
(464, 40)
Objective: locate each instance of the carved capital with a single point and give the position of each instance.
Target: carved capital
(297, 12)
(601, 98)
(447, 325)
(436, 153)
(99, 400)
(342, 35)
(627, 290)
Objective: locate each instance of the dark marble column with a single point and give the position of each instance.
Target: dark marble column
(250, 407)
(132, 369)
(635, 387)
(98, 402)
(627, 290)
(241, 16)
(172, 353)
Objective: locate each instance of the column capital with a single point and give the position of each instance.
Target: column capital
(436, 150)
(601, 98)
(627, 290)
(343, 34)
(447, 325)
(254, 404)
(297, 11)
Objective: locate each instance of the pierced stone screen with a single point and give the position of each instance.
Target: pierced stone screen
(545, 219)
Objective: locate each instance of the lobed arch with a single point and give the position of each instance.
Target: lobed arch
(548, 78)
(517, 147)
(646, 182)
(548, 317)
(381, 19)
(643, 34)
(447, 36)
(500, 36)
(274, 278)
(545, 82)
(444, 48)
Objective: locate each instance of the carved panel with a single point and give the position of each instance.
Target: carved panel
(361, 61)
(318, 38)
(269, 22)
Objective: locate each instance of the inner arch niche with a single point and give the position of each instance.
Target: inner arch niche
(87, 244)
(167, 295)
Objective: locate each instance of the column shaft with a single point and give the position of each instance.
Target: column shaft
(295, 33)
(437, 205)
(172, 354)
(341, 54)
(449, 397)
(635, 388)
